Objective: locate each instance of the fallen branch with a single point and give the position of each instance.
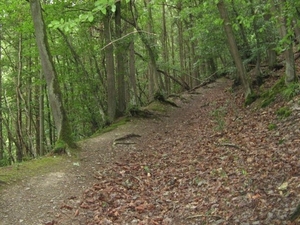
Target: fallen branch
(201, 215)
(228, 145)
(122, 140)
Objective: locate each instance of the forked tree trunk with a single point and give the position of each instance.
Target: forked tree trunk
(54, 92)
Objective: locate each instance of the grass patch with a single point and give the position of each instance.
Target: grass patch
(283, 112)
(272, 126)
(113, 126)
(31, 168)
(291, 91)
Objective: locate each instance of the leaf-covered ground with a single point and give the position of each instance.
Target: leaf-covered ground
(211, 161)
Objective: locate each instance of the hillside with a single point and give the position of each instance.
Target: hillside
(209, 161)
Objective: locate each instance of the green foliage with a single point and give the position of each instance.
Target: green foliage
(291, 90)
(283, 112)
(251, 98)
(60, 147)
(272, 126)
(4, 162)
(269, 96)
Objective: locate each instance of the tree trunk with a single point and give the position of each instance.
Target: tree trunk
(109, 59)
(19, 122)
(270, 40)
(1, 97)
(290, 72)
(233, 48)
(257, 40)
(41, 114)
(165, 47)
(132, 73)
(152, 52)
(245, 46)
(180, 42)
(54, 92)
(120, 69)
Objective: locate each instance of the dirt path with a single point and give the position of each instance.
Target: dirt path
(207, 162)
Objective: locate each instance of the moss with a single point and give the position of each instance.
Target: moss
(35, 167)
(60, 147)
(251, 98)
(113, 126)
(157, 106)
(269, 96)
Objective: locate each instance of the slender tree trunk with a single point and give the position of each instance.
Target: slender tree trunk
(41, 114)
(165, 48)
(109, 59)
(297, 31)
(290, 72)
(257, 39)
(152, 52)
(120, 69)
(270, 40)
(54, 92)
(233, 48)
(8, 123)
(132, 73)
(1, 97)
(245, 43)
(19, 122)
(152, 75)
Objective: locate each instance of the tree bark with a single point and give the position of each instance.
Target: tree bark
(233, 48)
(54, 92)
(109, 59)
(120, 69)
(1, 97)
(290, 72)
(19, 121)
(148, 41)
(132, 74)
(41, 113)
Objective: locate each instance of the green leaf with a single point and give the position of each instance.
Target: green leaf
(91, 18)
(113, 8)
(103, 10)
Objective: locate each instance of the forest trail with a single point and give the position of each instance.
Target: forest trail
(210, 161)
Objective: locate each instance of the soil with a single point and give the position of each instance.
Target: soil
(209, 161)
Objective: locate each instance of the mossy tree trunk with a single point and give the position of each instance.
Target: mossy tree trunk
(54, 92)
